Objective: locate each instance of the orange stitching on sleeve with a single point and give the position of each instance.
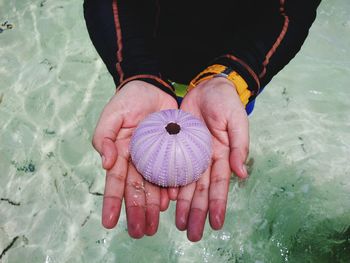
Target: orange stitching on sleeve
(119, 40)
(278, 40)
(145, 76)
(247, 67)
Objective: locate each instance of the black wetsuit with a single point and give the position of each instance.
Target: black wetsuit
(158, 40)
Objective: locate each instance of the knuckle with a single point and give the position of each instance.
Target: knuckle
(199, 210)
(183, 201)
(201, 187)
(119, 177)
(217, 179)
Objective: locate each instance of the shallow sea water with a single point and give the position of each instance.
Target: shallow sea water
(295, 207)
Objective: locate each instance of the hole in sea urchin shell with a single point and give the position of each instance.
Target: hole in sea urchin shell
(173, 128)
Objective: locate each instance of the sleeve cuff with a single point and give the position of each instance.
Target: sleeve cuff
(160, 83)
(218, 70)
(244, 70)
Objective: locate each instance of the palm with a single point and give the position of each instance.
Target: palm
(134, 109)
(216, 125)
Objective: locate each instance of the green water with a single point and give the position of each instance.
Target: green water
(295, 207)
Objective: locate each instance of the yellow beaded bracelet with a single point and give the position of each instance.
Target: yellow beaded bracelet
(217, 70)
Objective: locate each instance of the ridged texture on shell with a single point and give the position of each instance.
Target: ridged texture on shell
(167, 159)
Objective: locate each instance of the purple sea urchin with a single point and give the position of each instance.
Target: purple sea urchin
(171, 148)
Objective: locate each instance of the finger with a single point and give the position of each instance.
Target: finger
(164, 199)
(152, 193)
(219, 186)
(238, 133)
(183, 205)
(173, 192)
(106, 132)
(108, 153)
(114, 191)
(199, 208)
(135, 203)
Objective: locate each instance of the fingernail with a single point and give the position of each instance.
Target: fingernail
(244, 170)
(181, 223)
(218, 221)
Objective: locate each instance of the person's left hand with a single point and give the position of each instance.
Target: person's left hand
(217, 103)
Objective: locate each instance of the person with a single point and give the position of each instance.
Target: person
(227, 52)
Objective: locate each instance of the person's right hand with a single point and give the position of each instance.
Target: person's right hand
(143, 200)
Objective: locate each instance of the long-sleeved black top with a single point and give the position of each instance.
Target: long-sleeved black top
(162, 40)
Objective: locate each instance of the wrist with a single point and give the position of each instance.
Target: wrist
(224, 73)
(153, 80)
(217, 87)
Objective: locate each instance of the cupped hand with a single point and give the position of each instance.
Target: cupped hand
(143, 200)
(217, 103)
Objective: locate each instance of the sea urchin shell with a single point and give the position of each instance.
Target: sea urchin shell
(171, 148)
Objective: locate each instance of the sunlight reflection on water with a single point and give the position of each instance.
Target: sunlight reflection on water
(294, 208)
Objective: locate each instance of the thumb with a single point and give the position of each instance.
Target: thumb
(238, 133)
(108, 153)
(105, 136)
(237, 164)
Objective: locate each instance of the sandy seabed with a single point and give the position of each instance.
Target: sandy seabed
(295, 207)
